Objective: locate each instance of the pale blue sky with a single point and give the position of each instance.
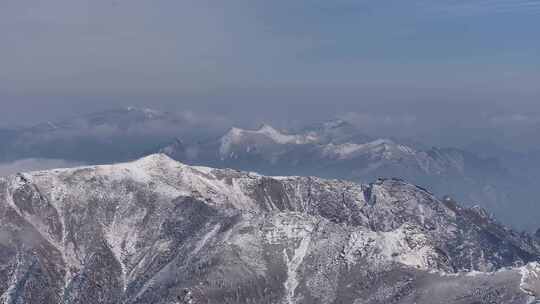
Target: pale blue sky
(474, 58)
(166, 45)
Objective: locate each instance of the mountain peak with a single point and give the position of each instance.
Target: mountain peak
(274, 134)
(264, 135)
(337, 123)
(156, 158)
(150, 231)
(266, 128)
(147, 112)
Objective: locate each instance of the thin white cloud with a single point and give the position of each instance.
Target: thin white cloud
(34, 164)
(371, 120)
(480, 7)
(513, 119)
(137, 45)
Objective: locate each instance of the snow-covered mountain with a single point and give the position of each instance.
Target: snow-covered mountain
(159, 231)
(338, 150)
(317, 148)
(264, 136)
(333, 149)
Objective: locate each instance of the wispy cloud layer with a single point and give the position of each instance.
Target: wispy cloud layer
(173, 46)
(513, 119)
(485, 7)
(34, 164)
(294, 60)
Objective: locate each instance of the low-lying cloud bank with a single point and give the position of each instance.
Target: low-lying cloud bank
(34, 164)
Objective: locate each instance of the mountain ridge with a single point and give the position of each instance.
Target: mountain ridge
(323, 151)
(331, 149)
(159, 231)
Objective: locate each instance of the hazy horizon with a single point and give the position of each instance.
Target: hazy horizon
(448, 72)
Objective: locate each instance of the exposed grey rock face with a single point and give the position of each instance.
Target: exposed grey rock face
(158, 231)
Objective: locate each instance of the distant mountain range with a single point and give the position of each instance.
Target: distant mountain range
(336, 149)
(333, 149)
(108, 136)
(159, 231)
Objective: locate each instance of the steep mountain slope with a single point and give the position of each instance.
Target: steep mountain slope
(158, 231)
(337, 150)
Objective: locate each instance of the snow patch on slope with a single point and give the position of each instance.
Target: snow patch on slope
(292, 267)
(297, 232)
(530, 274)
(383, 147)
(403, 245)
(237, 136)
(202, 242)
